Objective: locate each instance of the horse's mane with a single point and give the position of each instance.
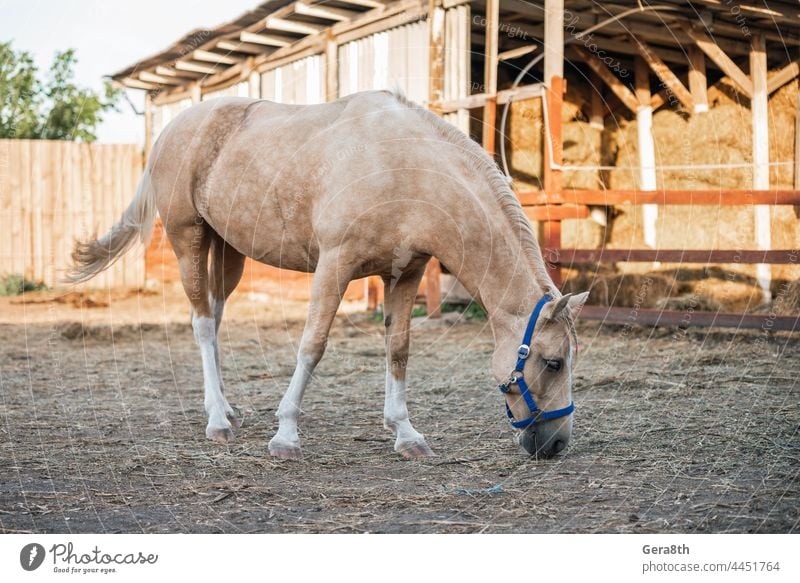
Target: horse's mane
(498, 183)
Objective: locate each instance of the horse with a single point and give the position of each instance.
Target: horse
(343, 189)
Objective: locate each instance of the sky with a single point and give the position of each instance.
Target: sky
(109, 35)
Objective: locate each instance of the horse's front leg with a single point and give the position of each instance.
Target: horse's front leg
(330, 282)
(399, 296)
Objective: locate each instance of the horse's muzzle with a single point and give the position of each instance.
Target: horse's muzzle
(547, 438)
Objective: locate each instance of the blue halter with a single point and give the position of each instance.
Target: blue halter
(517, 377)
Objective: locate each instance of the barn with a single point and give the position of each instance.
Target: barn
(667, 123)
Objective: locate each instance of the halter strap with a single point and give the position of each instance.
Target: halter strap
(518, 377)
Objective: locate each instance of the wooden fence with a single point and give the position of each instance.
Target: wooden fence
(52, 192)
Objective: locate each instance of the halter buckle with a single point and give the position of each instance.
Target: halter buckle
(524, 351)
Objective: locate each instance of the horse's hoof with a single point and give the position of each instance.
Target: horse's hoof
(220, 434)
(284, 450)
(413, 450)
(235, 418)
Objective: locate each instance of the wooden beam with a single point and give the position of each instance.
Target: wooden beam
(196, 67)
(697, 78)
(479, 99)
(331, 69)
(264, 39)
(212, 57)
(782, 77)
(646, 149)
(148, 126)
(365, 3)
(619, 89)
(285, 25)
(183, 76)
(240, 47)
(723, 61)
(436, 80)
(515, 53)
(760, 116)
(490, 74)
(558, 212)
(553, 39)
(653, 317)
(664, 73)
(597, 108)
(721, 197)
(797, 146)
(149, 77)
(137, 84)
(777, 257)
(323, 11)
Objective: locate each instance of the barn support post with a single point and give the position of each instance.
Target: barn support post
(490, 75)
(554, 77)
(148, 126)
(436, 62)
(646, 149)
(331, 68)
(597, 107)
(759, 112)
(697, 79)
(797, 146)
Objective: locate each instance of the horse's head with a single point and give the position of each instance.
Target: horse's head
(533, 362)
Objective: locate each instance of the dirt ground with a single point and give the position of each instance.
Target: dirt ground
(102, 428)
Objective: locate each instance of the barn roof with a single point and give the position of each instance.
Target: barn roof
(278, 31)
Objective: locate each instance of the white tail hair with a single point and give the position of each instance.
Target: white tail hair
(91, 257)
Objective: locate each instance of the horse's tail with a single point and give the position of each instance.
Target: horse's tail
(91, 257)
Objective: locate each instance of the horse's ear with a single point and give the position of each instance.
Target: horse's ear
(553, 309)
(576, 303)
(571, 302)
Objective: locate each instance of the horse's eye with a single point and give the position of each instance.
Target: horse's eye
(552, 364)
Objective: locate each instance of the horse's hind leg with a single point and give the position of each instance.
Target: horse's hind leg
(330, 281)
(191, 245)
(227, 266)
(399, 296)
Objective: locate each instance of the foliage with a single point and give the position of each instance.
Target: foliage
(49, 107)
(471, 311)
(15, 284)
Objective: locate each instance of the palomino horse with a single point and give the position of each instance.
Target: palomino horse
(337, 189)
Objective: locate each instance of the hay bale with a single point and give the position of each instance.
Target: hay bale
(641, 290)
(687, 302)
(787, 302)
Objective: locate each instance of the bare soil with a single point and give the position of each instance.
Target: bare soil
(102, 428)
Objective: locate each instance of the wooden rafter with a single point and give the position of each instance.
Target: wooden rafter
(149, 77)
(240, 47)
(212, 57)
(663, 72)
(196, 67)
(782, 77)
(286, 25)
(263, 39)
(698, 84)
(723, 61)
(619, 89)
(322, 11)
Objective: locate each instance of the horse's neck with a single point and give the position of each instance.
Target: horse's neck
(493, 266)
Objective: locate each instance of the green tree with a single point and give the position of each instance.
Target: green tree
(52, 107)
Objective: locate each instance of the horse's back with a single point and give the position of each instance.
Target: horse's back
(275, 179)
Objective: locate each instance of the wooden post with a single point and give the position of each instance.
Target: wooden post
(196, 93)
(148, 126)
(254, 85)
(697, 79)
(759, 112)
(597, 112)
(490, 75)
(797, 146)
(554, 76)
(646, 148)
(436, 60)
(331, 68)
